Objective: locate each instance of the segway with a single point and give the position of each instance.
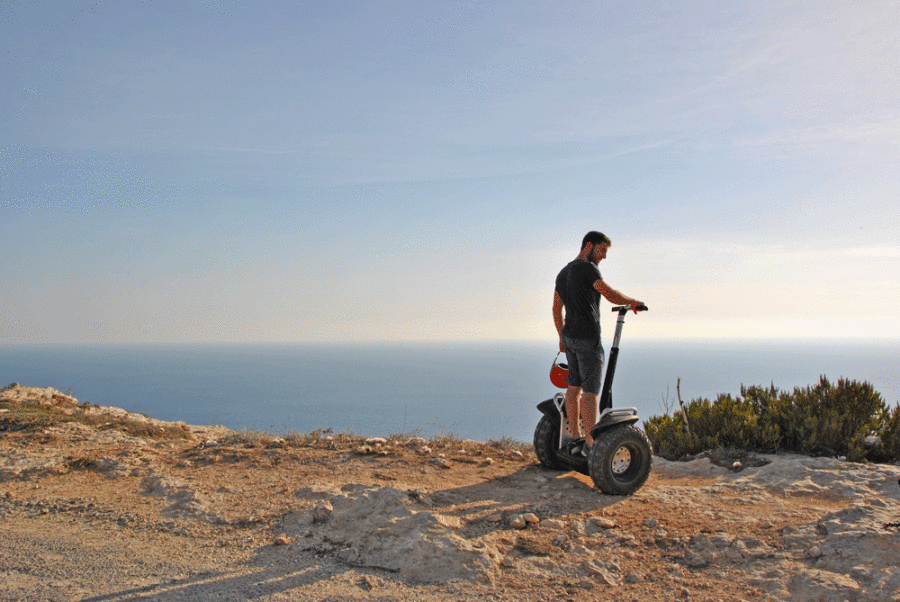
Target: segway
(619, 461)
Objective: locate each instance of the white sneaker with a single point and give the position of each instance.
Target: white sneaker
(576, 448)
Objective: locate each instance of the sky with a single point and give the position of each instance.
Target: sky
(226, 171)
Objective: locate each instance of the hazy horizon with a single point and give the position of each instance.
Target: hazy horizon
(550, 343)
(226, 172)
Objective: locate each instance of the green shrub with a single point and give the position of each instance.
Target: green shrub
(890, 436)
(822, 420)
(772, 407)
(833, 420)
(671, 440)
(727, 423)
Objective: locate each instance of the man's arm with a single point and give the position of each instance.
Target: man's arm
(614, 296)
(558, 317)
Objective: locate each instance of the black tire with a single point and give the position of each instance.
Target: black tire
(546, 442)
(620, 460)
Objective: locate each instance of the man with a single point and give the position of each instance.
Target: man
(579, 286)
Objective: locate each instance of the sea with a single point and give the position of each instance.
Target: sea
(483, 391)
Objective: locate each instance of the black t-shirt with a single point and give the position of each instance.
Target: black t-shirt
(575, 286)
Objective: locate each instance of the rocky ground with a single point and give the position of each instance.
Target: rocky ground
(100, 504)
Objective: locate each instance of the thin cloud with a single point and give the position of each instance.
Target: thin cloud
(874, 252)
(877, 132)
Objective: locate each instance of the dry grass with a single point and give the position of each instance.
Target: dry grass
(38, 416)
(60, 410)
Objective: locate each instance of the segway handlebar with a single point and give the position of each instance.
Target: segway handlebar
(623, 308)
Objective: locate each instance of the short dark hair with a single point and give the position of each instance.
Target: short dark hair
(595, 238)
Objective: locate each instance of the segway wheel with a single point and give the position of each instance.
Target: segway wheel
(620, 460)
(546, 442)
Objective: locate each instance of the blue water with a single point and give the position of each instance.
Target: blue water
(479, 391)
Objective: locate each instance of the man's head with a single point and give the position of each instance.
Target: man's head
(594, 247)
(595, 238)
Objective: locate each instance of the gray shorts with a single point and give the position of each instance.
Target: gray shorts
(585, 359)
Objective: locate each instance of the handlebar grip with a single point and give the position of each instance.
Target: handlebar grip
(621, 308)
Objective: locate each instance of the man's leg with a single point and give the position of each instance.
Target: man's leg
(572, 410)
(588, 405)
(592, 369)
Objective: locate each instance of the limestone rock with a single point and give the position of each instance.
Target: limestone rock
(553, 524)
(386, 529)
(282, 540)
(322, 512)
(603, 522)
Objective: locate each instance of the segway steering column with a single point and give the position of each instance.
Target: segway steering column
(606, 394)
